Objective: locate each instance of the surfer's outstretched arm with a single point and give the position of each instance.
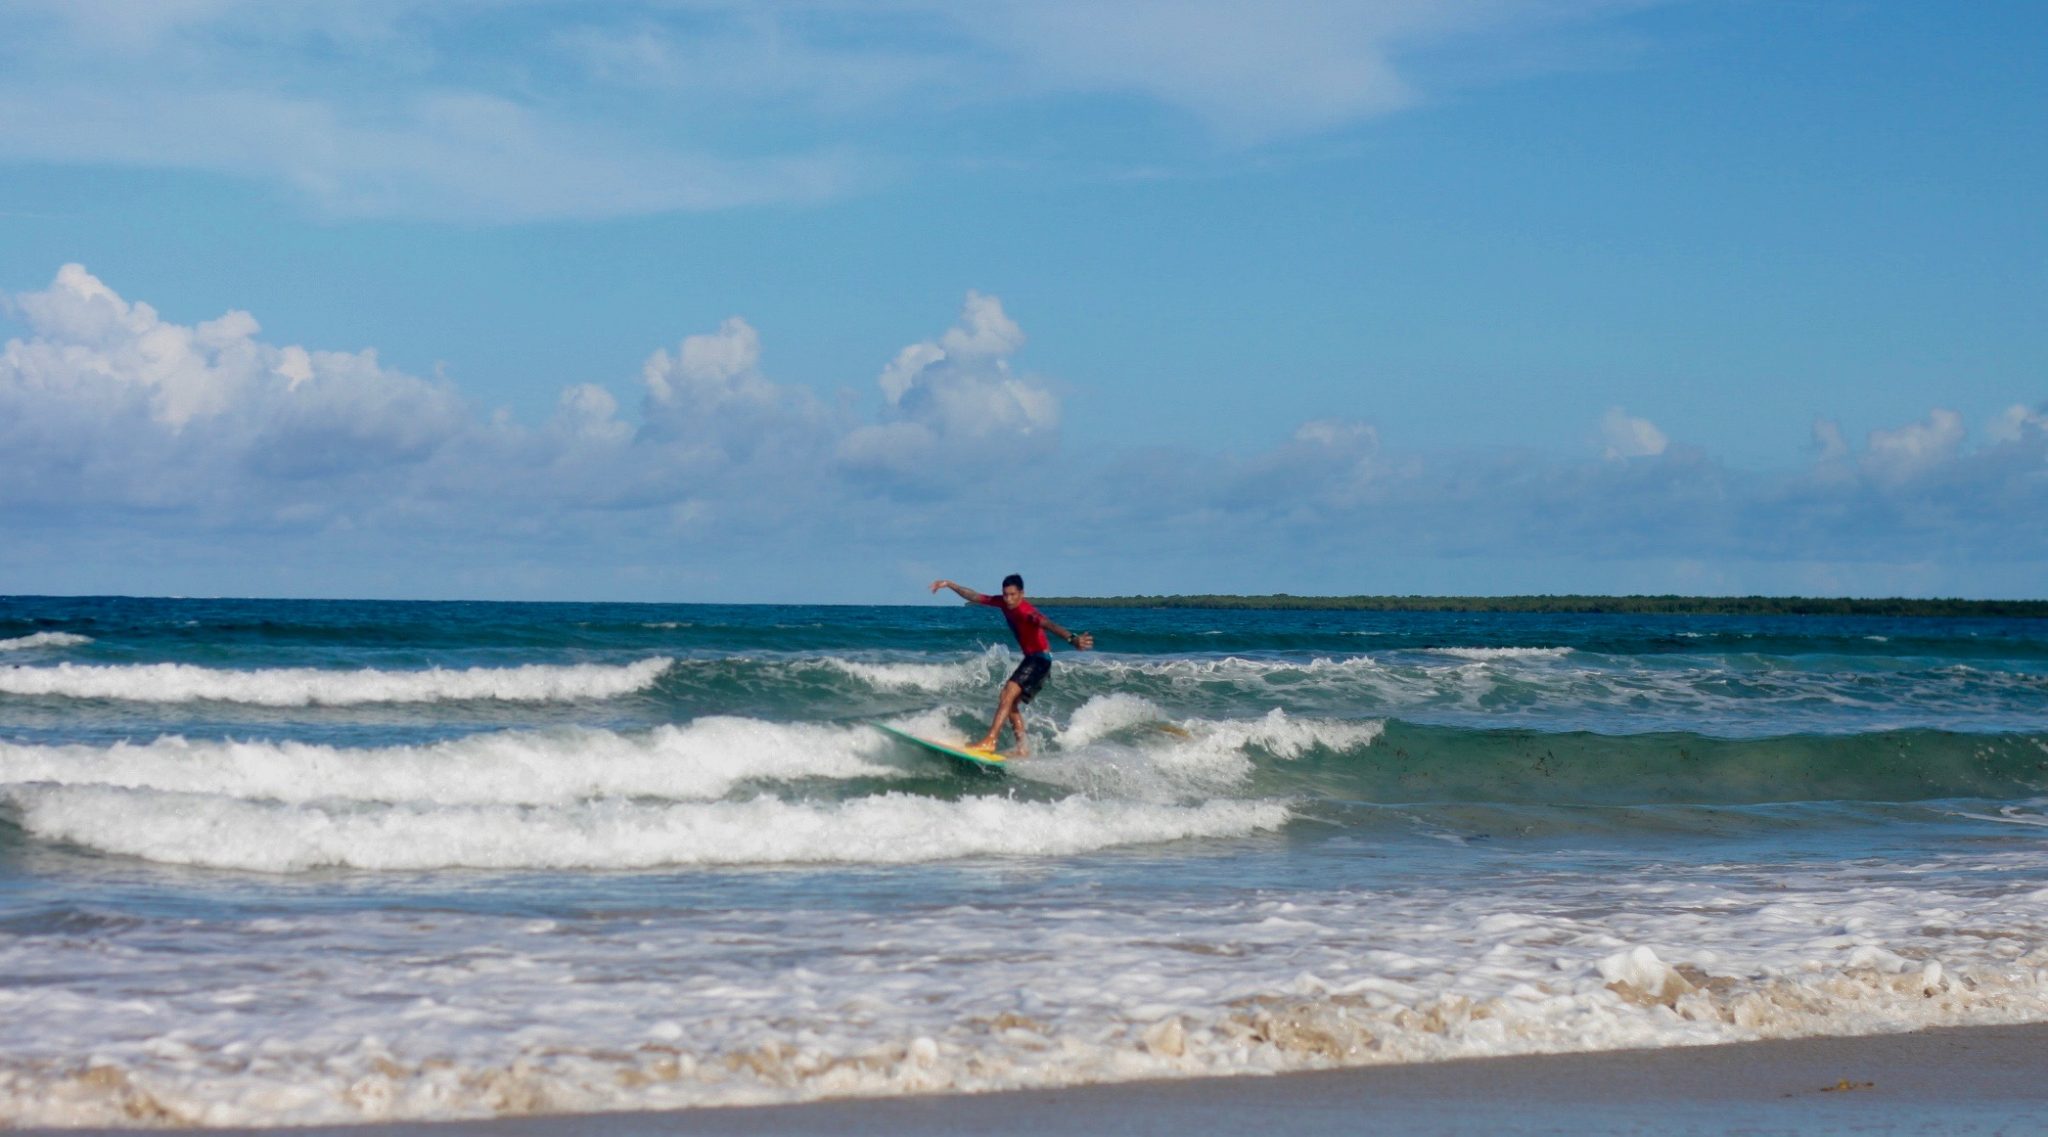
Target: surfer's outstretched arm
(966, 593)
(1081, 642)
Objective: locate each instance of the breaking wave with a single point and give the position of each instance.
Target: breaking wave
(700, 760)
(1488, 653)
(44, 639)
(303, 687)
(233, 833)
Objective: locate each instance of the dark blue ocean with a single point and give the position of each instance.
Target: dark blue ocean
(298, 861)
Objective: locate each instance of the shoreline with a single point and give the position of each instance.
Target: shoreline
(1949, 1080)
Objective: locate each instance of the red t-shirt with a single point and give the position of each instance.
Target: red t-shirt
(1025, 623)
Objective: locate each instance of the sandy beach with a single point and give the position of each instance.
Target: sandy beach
(1975, 1080)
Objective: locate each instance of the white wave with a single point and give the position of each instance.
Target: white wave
(1125, 746)
(1285, 736)
(1490, 653)
(1275, 732)
(45, 639)
(232, 833)
(1233, 668)
(305, 686)
(2007, 815)
(931, 677)
(700, 760)
(1105, 715)
(1216, 754)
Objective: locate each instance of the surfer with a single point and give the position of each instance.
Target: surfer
(1030, 626)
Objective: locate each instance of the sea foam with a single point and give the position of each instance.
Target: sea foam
(304, 686)
(434, 1014)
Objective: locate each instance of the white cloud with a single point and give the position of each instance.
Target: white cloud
(1247, 73)
(2017, 422)
(1916, 447)
(984, 331)
(106, 402)
(589, 411)
(404, 108)
(712, 408)
(901, 447)
(1252, 72)
(90, 346)
(955, 394)
(123, 351)
(902, 372)
(464, 157)
(1628, 437)
(710, 370)
(126, 435)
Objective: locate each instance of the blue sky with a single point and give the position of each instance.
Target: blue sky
(723, 301)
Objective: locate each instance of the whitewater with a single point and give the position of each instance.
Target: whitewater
(291, 862)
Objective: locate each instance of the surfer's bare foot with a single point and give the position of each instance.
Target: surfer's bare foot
(988, 744)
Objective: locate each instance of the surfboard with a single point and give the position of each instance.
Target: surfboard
(979, 759)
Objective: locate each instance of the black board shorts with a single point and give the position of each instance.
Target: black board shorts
(1030, 675)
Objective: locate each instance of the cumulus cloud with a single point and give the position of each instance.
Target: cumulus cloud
(104, 405)
(710, 371)
(955, 393)
(588, 411)
(1898, 454)
(121, 351)
(106, 401)
(2018, 422)
(120, 429)
(1628, 437)
(711, 412)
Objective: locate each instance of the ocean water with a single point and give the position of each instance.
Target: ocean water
(288, 862)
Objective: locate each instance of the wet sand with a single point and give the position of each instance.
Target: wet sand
(1974, 1080)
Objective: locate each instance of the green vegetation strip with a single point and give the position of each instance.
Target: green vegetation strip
(1632, 605)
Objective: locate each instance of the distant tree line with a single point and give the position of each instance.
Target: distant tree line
(1627, 605)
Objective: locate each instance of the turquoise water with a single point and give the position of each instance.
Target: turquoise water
(282, 861)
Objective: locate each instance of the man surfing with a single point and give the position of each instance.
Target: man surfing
(1030, 626)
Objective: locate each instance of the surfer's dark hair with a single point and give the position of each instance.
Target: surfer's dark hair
(1013, 578)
